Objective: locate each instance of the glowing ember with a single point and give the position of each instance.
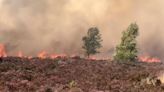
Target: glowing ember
(20, 54)
(29, 57)
(57, 55)
(42, 55)
(149, 59)
(53, 56)
(92, 58)
(99, 58)
(2, 51)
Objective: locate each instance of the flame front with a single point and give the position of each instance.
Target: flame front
(42, 55)
(2, 51)
(149, 59)
(45, 54)
(20, 54)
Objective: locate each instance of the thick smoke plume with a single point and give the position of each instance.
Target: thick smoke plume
(58, 25)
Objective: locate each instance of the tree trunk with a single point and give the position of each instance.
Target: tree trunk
(88, 55)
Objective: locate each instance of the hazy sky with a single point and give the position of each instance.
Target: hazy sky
(58, 25)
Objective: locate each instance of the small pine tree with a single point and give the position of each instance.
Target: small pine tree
(92, 41)
(126, 50)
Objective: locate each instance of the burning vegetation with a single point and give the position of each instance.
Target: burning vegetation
(2, 51)
(45, 46)
(62, 73)
(125, 51)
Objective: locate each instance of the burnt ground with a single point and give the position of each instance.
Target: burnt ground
(77, 75)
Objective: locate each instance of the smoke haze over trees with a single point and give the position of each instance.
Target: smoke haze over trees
(53, 25)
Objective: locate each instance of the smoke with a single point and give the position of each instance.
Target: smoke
(58, 26)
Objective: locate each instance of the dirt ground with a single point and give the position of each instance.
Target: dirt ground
(78, 75)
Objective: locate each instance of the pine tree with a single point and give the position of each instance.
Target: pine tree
(92, 41)
(126, 50)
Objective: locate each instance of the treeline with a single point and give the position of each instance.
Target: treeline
(125, 51)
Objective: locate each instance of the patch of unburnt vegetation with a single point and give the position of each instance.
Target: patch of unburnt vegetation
(72, 74)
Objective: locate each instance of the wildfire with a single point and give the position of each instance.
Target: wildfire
(44, 55)
(57, 55)
(20, 54)
(2, 51)
(149, 59)
(94, 58)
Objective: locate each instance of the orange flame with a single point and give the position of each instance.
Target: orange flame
(20, 54)
(29, 57)
(149, 59)
(42, 55)
(53, 56)
(93, 58)
(57, 55)
(2, 51)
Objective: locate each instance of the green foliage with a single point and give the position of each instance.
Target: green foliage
(126, 50)
(92, 41)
